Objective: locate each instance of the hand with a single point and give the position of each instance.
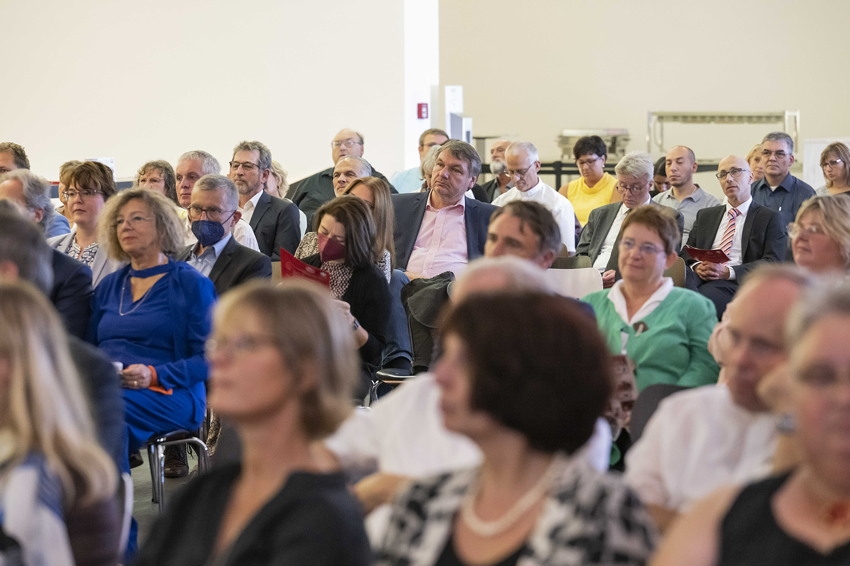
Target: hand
(608, 279)
(361, 336)
(136, 376)
(378, 489)
(412, 276)
(709, 271)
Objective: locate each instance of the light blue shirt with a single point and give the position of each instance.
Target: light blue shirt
(409, 181)
(205, 262)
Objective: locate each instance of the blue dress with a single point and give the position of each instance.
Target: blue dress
(166, 329)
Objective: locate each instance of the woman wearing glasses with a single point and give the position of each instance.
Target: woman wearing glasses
(152, 316)
(662, 328)
(835, 163)
(89, 186)
(595, 187)
(158, 176)
(820, 236)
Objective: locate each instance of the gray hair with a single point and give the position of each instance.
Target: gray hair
(465, 152)
(363, 166)
(23, 245)
(265, 159)
(636, 164)
(219, 183)
(818, 303)
(525, 147)
(36, 193)
(780, 137)
(209, 164)
(429, 161)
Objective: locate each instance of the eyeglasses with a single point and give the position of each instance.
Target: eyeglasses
(241, 344)
(349, 143)
(779, 154)
(831, 163)
(634, 189)
(245, 165)
(132, 221)
(586, 162)
(518, 172)
(631, 246)
(213, 213)
(734, 171)
(82, 193)
(795, 228)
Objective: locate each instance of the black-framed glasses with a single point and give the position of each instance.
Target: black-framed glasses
(779, 154)
(634, 189)
(831, 163)
(245, 165)
(589, 161)
(213, 213)
(734, 171)
(82, 193)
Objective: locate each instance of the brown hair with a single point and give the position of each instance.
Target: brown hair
(660, 220)
(95, 176)
(355, 216)
(383, 213)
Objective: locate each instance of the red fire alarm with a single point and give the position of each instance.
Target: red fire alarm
(422, 110)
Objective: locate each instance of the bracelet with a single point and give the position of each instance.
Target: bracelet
(355, 325)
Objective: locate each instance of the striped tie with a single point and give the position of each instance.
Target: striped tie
(729, 233)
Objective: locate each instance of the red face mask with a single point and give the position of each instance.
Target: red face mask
(330, 249)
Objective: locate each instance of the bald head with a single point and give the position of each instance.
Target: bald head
(735, 178)
(346, 142)
(681, 164)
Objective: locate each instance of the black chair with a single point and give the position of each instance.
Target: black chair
(645, 405)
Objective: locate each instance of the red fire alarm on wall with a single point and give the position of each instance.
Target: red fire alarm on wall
(422, 110)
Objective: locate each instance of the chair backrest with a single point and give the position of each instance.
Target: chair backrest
(677, 272)
(646, 403)
(276, 271)
(572, 262)
(575, 283)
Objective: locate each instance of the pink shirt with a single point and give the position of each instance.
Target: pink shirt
(441, 243)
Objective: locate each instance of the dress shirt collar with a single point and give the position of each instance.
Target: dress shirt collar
(430, 205)
(743, 208)
(216, 247)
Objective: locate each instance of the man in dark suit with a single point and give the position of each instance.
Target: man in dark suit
(749, 234)
(275, 221)
(602, 231)
(214, 212)
(501, 181)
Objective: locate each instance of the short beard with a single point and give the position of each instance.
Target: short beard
(498, 167)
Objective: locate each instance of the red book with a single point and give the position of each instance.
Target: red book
(712, 256)
(290, 266)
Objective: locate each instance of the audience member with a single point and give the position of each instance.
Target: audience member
(525, 229)
(660, 182)
(800, 516)
(602, 232)
(820, 237)
(64, 172)
(213, 212)
(275, 221)
(346, 170)
(57, 485)
(594, 187)
(685, 196)
(756, 163)
(276, 184)
(523, 163)
(749, 234)
(704, 438)
(529, 408)
(90, 185)
(835, 163)
(780, 190)
(284, 386)
(410, 180)
(663, 329)
(501, 181)
(13, 157)
(158, 176)
(376, 193)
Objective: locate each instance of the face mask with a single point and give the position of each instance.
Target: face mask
(330, 249)
(207, 232)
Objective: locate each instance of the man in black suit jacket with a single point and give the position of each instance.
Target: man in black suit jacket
(601, 234)
(275, 221)
(213, 212)
(758, 235)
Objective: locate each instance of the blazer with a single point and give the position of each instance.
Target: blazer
(276, 223)
(596, 231)
(102, 265)
(409, 211)
(235, 265)
(71, 293)
(763, 237)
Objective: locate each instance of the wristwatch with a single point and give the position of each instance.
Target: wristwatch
(355, 325)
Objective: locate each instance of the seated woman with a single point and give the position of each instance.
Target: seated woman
(594, 187)
(153, 317)
(755, 161)
(284, 385)
(90, 185)
(660, 183)
(57, 486)
(801, 516)
(346, 242)
(835, 164)
(663, 329)
(530, 407)
(820, 235)
(64, 172)
(158, 176)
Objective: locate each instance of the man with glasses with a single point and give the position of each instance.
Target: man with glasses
(275, 221)
(522, 164)
(780, 190)
(601, 234)
(410, 180)
(312, 192)
(684, 195)
(747, 233)
(213, 212)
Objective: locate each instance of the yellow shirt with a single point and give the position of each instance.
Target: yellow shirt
(584, 198)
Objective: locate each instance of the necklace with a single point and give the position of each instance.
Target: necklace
(488, 529)
(141, 273)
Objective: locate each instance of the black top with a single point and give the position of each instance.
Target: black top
(449, 556)
(312, 520)
(749, 533)
(312, 192)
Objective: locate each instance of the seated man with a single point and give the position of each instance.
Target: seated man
(410, 180)
(749, 234)
(684, 195)
(703, 438)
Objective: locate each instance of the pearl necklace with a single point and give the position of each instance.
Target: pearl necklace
(488, 529)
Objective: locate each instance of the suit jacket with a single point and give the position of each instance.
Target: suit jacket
(71, 293)
(763, 237)
(276, 223)
(102, 265)
(596, 231)
(235, 265)
(409, 211)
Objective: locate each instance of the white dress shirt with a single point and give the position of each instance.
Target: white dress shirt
(558, 204)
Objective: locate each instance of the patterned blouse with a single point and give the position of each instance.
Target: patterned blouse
(310, 246)
(587, 518)
(84, 255)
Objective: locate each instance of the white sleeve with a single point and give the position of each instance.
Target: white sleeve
(644, 472)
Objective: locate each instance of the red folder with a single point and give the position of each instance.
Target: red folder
(290, 266)
(712, 256)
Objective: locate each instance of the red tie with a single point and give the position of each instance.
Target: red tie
(729, 233)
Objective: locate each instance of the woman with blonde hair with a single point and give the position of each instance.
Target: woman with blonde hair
(283, 385)
(835, 163)
(56, 483)
(820, 235)
(754, 160)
